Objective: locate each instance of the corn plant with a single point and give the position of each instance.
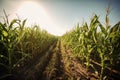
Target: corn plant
(97, 42)
(20, 44)
(9, 38)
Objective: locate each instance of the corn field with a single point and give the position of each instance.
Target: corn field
(96, 44)
(19, 45)
(87, 52)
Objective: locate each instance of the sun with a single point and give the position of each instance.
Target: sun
(33, 11)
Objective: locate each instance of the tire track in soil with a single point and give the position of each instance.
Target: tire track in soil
(61, 72)
(55, 70)
(50, 70)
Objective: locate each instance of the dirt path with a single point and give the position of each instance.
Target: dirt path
(56, 64)
(55, 69)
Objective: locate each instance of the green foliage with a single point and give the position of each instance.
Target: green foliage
(19, 44)
(95, 42)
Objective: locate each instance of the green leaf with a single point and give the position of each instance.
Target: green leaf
(99, 50)
(5, 33)
(103, 29)
(115, 28)
(3, 26)
(13, 22)
(94, 38)
(23, 24)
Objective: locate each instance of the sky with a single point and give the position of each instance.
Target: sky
(59, 16)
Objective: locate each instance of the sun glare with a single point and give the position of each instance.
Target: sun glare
(33, 11)
(30, 8)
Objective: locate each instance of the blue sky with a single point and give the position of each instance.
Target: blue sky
(59, 16)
